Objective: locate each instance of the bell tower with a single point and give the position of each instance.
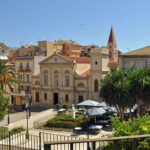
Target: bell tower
(112, 46)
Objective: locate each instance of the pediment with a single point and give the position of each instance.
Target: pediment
(56, 59)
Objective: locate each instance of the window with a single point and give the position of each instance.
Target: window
(126, 65)
(21, 66)
(67, 81)
(37, 83)
(3, 51)
(56, 78)
(96, 85)
(20, 77)
(27, 78)
(27, 66)
(147, 63)
(81, 85)
(137, 64)
(23, 78)
(67, 78)
(46, 78)
(45, 96)
(28, 90)
(67, 98)
(96, 62)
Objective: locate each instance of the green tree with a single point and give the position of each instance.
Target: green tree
(3, 105)
(8, 75)
(139, 81)
(114, 90)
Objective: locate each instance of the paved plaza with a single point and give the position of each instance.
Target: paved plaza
(21, 115)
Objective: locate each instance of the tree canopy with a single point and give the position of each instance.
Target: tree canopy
(7, 75)
(123, 88)
(3, 105)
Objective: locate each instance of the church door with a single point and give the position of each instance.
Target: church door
(80, 98)
(55, 98)
(37, 96)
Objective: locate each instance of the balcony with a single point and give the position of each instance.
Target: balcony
(25, 81)
(24, 69)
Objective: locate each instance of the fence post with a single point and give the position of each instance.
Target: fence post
(9, 140)
(134, 144)
(115, 144)
(47, 147)
(40, 141)
(93, 145)
(71, 146)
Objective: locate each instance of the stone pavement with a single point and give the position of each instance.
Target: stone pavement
(21, 115)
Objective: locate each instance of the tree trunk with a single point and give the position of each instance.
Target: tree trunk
(138, 106)
(130, 115)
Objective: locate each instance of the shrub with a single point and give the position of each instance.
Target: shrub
(58, 106)
(139, 125)
(65, 106)
(64, 121)
(18, 129)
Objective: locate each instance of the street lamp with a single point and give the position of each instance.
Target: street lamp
(8, 118)
(27, 131)
(87, 117)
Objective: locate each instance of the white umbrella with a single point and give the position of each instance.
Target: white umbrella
(103, 104)
(88, 103)
(96, 111)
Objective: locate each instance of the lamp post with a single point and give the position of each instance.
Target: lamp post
(87, 117)
(27, 131)
(8, 119)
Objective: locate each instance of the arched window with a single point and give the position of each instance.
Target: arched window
(96, 85)
(81, 85)
(46, 78)
(56, 78)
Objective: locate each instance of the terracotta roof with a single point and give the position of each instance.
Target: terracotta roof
(86, 73)
(113, 62)
(111, 36)
(141, 51)
(79, 59)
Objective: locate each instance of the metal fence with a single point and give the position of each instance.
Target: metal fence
(96, 144)
(19, 141)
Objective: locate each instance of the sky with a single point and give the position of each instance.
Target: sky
(84, 21)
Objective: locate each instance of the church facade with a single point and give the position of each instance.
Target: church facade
(70, 80)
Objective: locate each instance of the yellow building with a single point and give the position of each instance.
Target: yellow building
(26, 66)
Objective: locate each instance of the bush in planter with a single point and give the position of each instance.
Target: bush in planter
(65, 106)
(58, 106)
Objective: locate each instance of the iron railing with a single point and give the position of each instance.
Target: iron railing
(18, 141)
(94, 144)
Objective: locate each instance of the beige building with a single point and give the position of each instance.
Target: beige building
(65, 79)
(138, 58)
(69, 79)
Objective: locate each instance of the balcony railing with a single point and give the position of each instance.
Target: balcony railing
(93, 144)
(25, 81)
(24, 69)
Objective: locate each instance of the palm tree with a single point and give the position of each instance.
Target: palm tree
(138, 84)
(7, 75)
